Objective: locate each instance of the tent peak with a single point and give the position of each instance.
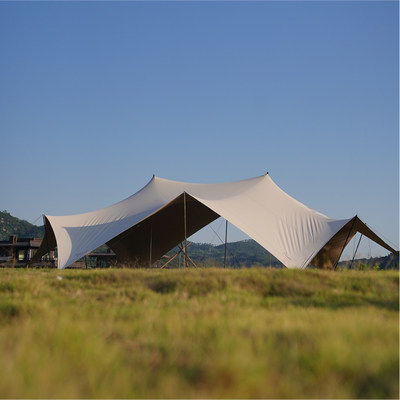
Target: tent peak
(208, 184)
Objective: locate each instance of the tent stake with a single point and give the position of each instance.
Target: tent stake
(226, 240)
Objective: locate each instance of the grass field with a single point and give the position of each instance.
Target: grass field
(199, 333)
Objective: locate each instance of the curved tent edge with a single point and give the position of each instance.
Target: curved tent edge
(357, 225)
(221, 214)
(317, 256)
(49, 242)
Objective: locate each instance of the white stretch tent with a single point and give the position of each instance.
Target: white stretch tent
(149, 223)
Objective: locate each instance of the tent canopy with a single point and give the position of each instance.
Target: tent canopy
(149, 223)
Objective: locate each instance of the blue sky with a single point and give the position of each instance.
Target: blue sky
(95, 97)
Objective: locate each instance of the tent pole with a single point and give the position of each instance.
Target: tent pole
(184, 226)
(354, 256)
(226, 240)
(151, 242)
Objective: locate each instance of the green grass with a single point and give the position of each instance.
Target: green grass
(199, 333)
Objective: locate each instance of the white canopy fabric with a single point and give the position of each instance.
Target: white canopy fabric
(147, 224)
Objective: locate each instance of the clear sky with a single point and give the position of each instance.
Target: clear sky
(96, 97)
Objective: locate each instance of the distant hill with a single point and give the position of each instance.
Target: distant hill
(10, 225)
(388, 262)
(250, 253)
(238, 254)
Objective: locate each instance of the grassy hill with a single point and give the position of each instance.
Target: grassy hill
(242, 253)
(199, 333)
(10, 225)
(388, 262)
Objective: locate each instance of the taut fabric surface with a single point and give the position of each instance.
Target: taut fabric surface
(147, 224)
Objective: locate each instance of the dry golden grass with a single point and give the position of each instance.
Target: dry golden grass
(205, 333)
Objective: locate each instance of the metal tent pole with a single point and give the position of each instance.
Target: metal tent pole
(226, 240)
(151, 242)
(354, 256)
(184, 226)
